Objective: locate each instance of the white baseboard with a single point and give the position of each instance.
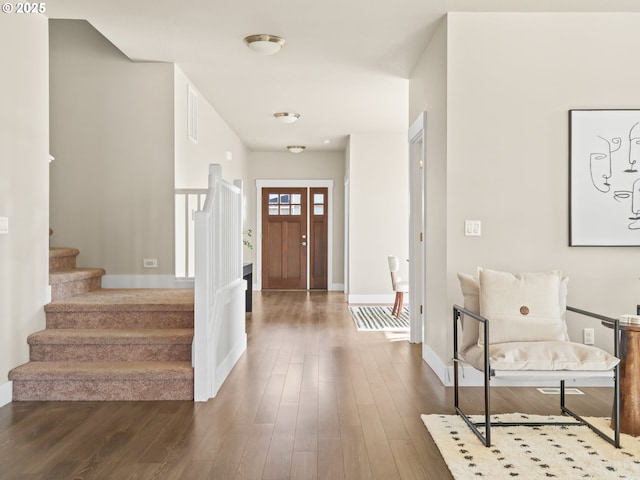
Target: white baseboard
(375, 299)
(225, 367)
(145, 281)
(6, 393)
(470, 377)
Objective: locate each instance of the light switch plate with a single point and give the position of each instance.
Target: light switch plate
(4, 225)
(472, 228)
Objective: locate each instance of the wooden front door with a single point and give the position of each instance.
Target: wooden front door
(284, 238)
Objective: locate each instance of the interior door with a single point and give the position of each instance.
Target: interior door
(284, 238)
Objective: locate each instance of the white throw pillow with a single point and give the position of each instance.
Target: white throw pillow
(521, 308)
(470, 327)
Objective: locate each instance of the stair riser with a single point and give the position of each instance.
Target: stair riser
(110, 353)
(61, 264)
(68, 289)
(121, 319)
(92, 390)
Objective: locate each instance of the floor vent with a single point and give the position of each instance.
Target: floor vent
(556, 391)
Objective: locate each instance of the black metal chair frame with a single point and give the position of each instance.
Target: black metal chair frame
(488, 373)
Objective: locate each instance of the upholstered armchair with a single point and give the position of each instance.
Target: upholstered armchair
(513, 327)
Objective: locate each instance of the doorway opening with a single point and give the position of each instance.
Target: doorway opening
(417, 227)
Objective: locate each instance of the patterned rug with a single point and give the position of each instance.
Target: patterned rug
(531, 453)
(379, 319)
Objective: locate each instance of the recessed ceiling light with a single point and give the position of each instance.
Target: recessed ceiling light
(296, 148)
(287, 117)
(327, 141)
(264, 44)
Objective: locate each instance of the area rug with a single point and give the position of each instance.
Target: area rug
(379, 319)
(530, 453)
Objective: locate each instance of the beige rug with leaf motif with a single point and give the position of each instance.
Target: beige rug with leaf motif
(531, 453)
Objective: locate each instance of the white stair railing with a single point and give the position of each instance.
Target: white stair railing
(187, 202)
(219, 319)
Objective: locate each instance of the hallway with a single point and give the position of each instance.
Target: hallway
(311, 398)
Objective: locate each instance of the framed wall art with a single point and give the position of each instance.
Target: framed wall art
(604, 177)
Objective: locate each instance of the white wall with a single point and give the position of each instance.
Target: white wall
(378, 213)
(215, 139)
(511, 79)
(112, 135)
(302, 166)
(24, 186)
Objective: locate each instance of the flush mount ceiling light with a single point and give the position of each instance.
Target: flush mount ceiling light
(287, 117)
(264, 44)
(296, 148)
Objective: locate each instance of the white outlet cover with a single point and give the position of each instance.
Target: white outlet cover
(4, 225)
(150, 263)
(472, 228)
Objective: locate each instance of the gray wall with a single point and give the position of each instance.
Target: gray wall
(24, 186)
(112, 135)
(378, 213)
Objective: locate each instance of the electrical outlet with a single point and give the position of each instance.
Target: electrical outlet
(588, 336)
(150, 263)
(4, 225)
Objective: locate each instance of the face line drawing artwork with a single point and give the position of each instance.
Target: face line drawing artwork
(600, 165)
(633, 141)
(635, 206)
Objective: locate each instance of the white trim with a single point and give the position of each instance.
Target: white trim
(337, 287)
(417, 226)
(6, 393)
(226, 365)
(347, 200)
(309, 183)
(145, 281)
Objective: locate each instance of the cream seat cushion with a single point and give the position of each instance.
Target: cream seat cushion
(522, 307)
(541, 356)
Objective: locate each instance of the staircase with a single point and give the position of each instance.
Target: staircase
(107, 344)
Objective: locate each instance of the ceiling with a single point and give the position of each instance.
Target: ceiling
(344, 68)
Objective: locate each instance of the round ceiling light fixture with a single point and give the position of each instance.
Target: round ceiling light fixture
(264, 44)
(296, 148)
(286, 117)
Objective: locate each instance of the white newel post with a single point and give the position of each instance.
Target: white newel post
(219, 315)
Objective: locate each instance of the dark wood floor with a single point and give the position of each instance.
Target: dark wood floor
(311, 399)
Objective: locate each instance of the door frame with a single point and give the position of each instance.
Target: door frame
(274, 183)
(417, 137)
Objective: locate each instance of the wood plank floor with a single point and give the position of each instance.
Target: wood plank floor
(312, 398)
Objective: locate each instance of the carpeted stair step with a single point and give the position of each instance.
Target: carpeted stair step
(123, 308)
(73, 282)
(97, 345)
(62, 259)
(102, 381)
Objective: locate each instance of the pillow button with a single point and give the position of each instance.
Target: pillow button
(524, 310)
